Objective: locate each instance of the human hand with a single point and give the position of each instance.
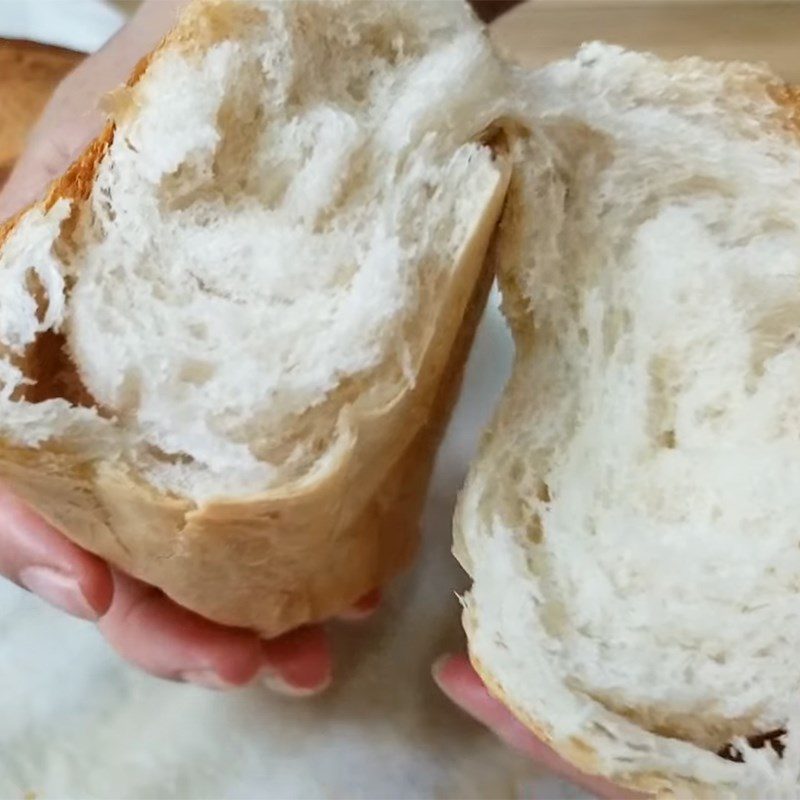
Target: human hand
(456, 677)
(147, 628)
(143, 625)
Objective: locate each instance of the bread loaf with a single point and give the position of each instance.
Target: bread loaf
(231, 334)
(631, 524)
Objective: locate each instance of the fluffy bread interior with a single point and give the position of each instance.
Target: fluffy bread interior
(264, 245)
(631, 525)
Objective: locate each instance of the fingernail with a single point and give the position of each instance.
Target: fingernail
(365, 607)
(439, 670)
(207, 678)
(278, 684)
(299, 660)
(58, 589)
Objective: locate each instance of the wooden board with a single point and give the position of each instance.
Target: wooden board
(28, 74)
(541, 30)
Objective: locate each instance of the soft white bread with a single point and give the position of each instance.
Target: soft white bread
(632, 524)
(232, 333)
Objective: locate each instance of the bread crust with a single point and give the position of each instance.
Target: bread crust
(301, 552)
(582, 755)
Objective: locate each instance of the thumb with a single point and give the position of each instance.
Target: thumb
(47, 156)
(456, 677)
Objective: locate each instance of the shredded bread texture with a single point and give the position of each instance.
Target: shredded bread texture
(260, 241)
(631, 524)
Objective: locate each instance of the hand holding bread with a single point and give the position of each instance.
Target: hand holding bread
(141, 623)
(234, 329)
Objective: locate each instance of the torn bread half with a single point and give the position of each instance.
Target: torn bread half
(231, 335)
(632, 523)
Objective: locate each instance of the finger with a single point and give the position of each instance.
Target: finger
(37, 557)
(456, 677)
(149, 630)
(299, 663)
(363, 608)
(47, 157)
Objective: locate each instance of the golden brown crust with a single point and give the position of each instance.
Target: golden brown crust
(299, 553)
(788, 98)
